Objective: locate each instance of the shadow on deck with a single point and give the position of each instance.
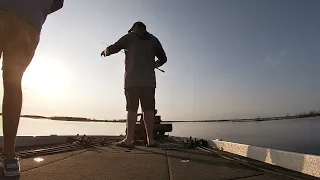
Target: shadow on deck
(171, 161)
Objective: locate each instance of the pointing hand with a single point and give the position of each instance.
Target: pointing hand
(104, 53)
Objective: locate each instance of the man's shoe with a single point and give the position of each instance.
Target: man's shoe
(10, 165)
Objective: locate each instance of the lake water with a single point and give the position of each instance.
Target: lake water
(296, 135)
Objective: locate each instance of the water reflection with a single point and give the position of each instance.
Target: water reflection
(297, 135)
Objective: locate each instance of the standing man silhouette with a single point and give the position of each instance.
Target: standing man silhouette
(140, 80)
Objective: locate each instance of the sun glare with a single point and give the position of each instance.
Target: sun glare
(45, 75)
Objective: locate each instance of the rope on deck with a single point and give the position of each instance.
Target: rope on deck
(72, 144)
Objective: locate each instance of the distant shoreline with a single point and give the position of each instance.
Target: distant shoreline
(258, 119)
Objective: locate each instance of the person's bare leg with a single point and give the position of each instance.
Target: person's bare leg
(17, 56)
(149, 123)
(131, 125)
(11, 111)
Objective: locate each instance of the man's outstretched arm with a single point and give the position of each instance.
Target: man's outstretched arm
(116, 47)
(56, 5)
(161, 55)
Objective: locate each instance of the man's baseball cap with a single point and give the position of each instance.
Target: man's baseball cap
(139, 24)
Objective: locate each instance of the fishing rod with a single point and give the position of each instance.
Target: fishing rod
(124, 53)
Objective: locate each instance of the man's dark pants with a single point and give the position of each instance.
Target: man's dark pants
(144, 95)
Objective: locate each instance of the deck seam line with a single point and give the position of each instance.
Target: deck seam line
(247, 176)
(168, 166)
(23, 171)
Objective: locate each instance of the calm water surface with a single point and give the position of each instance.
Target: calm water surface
(296, 135)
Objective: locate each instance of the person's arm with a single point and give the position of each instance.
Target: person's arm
(161, 55)
(56, 5)
(116, 47)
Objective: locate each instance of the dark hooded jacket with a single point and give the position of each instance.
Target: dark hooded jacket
(141, 48)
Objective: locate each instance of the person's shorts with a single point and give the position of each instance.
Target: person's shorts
(145, 95)
(18, 42)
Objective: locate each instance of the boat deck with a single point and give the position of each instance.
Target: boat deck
(169, 161)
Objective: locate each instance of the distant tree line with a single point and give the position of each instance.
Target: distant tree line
(313, 113)
(67, 118)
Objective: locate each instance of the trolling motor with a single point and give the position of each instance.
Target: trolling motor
(159, 129)
(157, 119)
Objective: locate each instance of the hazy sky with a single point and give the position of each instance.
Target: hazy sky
(226, 59)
